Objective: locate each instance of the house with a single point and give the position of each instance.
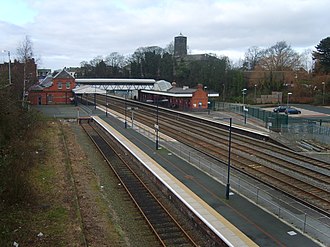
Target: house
(53, 90)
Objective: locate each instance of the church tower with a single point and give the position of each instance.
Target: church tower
(180, 46)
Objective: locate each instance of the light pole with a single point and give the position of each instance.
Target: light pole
(255, 93)
(157, 118)
(94, 96)
(9, 73)
(106, 102)
(229, 153)
(244, 110)
(157, 127)
(287, 100)
(323, 83)
(243, 93)
(132, 109)
(125, 111)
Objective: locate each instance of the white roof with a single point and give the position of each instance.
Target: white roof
(114, 81)
(88, 89)
(162, 85)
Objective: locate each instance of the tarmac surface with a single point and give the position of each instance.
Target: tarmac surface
(263, 228)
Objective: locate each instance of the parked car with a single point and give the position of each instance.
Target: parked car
(292, 111)
(280, 108)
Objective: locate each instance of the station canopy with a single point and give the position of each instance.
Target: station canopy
(117, 84)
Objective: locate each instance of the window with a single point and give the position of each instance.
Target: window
(49, 98)
(59, 85)
(67, 85)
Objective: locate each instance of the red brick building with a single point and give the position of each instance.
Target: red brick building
(53, 90)
(184, 98)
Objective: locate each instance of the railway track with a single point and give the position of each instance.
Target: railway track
(299, 176)
(165, 227)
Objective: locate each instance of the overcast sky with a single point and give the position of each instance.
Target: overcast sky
(65, 33)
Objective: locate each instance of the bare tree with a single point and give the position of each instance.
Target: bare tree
(307, 60)
(96, 60)
(114, 59)
(280, 57)
(252, 57)
(170, 48)
(25, 56)
(25, 50)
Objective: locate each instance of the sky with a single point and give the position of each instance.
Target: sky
(65, 33)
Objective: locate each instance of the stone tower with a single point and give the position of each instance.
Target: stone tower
(180, 46)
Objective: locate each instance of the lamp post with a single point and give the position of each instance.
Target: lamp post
(106, 103)
(132, 109)
(244, 110)
(157, 126)
(94, 96)
(157, 118)
(287, 100)
(323, 83)
(255, 93)
(125, 111)
(229, 153)
(9, 73)
(243, 93)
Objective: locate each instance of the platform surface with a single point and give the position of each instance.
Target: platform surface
(262, 228)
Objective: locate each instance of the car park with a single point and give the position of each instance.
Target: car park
(292, 111)
(280, 109)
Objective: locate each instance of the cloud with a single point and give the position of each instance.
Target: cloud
(66, 33)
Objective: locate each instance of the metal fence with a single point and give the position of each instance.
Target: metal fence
(295, 129)
(281, 207)
(258, 193)
(272, 120)
(307, 131)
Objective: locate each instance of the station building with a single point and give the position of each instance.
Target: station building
(53, 90)
(168, 95)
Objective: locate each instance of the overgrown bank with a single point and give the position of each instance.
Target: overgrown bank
(37, 202)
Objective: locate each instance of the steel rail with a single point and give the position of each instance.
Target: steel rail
(137, 189)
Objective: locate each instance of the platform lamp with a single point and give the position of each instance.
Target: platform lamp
(9, 73)
(106, 102)
(125, 111)
(287, 100)
(243, 93)
(244, 109)
(95, 96)
(323, 83)
(157, 122)
(157, 127)
(229, 158)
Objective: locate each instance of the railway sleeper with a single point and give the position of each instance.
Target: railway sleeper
(171, 240)
(159, 216)
(153, 208)
(174, 232)
(165, 225)
(180, 241)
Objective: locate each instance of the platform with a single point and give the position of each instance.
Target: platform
(218, 224)
(262, 228)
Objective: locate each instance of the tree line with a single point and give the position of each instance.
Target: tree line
(218, 73)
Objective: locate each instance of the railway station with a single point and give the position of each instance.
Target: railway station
(241, 220)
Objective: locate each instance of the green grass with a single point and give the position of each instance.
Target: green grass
(39, 205)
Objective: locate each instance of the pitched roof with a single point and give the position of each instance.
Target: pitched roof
(47, 82)
(63, 74)
(182, 90)
(162, 85)
(36, 88)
